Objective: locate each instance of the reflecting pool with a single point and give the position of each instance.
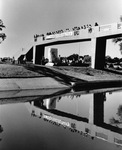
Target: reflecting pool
(64, 121)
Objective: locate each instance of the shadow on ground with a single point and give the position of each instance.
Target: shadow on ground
(53, 73)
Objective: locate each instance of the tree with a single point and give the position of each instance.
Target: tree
(119, 39)
(108, 59)
(73, 57)
(2, 35)
(117, 121)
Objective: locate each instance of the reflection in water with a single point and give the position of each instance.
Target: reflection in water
(93, 126)
(51, 103)
(118, 121)
(78, 119)
(1, 130)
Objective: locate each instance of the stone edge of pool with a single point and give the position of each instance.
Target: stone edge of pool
(8, 84)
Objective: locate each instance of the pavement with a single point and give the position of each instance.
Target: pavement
(30, 84)
(13, 89)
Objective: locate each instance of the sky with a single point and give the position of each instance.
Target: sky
(24, 18)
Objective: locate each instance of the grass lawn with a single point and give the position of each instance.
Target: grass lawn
(11, 71)
(85, 73)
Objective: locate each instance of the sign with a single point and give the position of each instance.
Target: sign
(54, 36)
(50, 118)
(105, 27)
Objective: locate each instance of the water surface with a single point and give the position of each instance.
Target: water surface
(74, 120)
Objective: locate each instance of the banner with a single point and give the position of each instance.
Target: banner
(54, 36)
(105, 27)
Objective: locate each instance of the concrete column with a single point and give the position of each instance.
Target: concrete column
(39, 54)
(93, 51)
(49, 55)
(99, 99)
(34, 54)
(96, 109)
(100, 53)
(91, 111)
(50, 103)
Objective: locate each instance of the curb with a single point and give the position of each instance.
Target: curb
(29, 84)
(88, 85)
